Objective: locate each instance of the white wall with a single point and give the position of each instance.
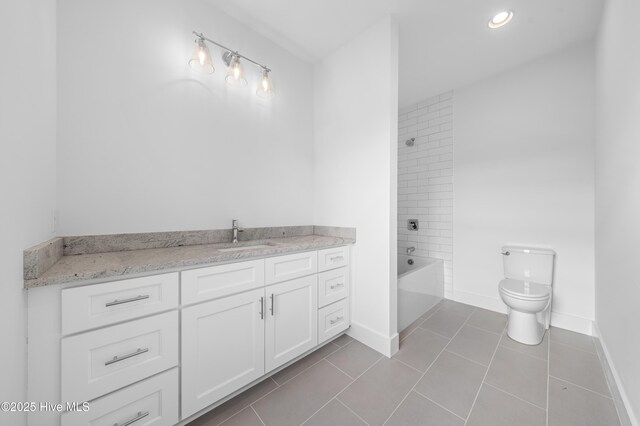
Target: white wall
(524, 174)
(425, 181)
(617, 195)
(27, 170)
(355, 157)
(146, 144)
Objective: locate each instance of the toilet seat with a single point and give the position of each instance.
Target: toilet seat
(525, 290)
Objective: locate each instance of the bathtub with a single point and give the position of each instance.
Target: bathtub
(420, 287)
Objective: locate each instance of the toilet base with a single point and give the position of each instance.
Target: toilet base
(525, 328)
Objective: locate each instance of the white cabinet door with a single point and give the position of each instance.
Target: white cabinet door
(291, 327)
(222, 348)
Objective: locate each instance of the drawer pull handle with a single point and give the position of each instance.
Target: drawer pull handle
(340, 285)
(262, 308)
(123, 357)
(140, 415)
(131, 299)
(335, 321)
(335, 258)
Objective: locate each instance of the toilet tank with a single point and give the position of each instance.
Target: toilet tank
(528, 264)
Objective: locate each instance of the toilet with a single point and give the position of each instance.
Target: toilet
(527, 291)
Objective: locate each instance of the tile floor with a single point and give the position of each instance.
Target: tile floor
(456, 366)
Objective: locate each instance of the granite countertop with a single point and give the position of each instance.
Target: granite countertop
(102, 266)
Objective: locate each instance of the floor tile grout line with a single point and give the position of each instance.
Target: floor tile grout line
(573, 347)
(342, 390)
(423, 374)
(485, 330)
(259, 418)
(248, 405)
(414, 329)
(340, 369)
(581, 387)
(438, 334)
(524, 353)
(465, 358)
(347, 407)
(527, 355)
(439, 405)
(481, 383)
(293, 377)
(515, 396)
(410, 366)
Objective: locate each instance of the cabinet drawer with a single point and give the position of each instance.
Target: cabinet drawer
(332, 258)
(332, 286)
(283, 268)
(152, 402)
(101, 361)
(217, 281)
(333, 320)
(98, 305)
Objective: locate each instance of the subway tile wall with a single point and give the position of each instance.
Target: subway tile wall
(425, 181)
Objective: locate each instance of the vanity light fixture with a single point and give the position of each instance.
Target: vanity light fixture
(235, 72)
(500, 19)
(265, 86)
(201, 62)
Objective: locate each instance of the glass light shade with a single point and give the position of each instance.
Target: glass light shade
(235, 73)
(500, 19)
(201, 59)
(265, 85)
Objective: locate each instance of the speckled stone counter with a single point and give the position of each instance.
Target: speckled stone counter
(119, 264)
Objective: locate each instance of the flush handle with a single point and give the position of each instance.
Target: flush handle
(506, 253)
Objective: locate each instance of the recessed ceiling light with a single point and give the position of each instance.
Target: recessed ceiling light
(500, 19)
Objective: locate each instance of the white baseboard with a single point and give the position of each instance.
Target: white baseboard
(387, 346)
(620, 398)
(558, 319)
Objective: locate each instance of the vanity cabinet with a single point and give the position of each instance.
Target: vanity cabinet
(160, 349)
(222, 348)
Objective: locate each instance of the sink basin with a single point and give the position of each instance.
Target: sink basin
(255, 246)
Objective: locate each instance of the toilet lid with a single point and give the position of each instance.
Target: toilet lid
(523, 289)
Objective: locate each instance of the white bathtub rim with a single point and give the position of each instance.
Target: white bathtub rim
(429, 261)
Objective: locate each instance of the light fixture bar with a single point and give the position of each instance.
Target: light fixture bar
(234, 52)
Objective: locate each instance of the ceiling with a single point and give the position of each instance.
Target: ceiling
(444, 44)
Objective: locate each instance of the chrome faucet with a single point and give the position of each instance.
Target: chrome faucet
(236, 229)
(410, 250)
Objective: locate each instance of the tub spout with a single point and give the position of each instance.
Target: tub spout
(410, 250)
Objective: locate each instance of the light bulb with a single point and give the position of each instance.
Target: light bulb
(265, 85)
(235, 73)
(500, 19)
(201, 59)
